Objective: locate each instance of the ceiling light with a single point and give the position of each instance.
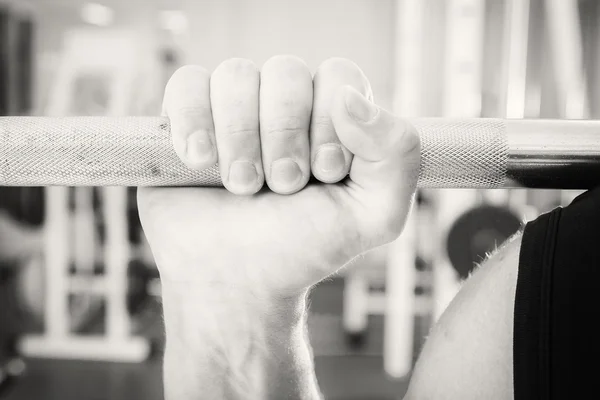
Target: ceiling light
(174, 20)
(97, 14)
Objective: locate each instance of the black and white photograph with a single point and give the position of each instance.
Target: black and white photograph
(299, 199)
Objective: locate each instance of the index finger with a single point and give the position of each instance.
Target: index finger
(187, 104)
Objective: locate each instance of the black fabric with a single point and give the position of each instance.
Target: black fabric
(556, 351)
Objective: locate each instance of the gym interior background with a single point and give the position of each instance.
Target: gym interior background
(67, 333)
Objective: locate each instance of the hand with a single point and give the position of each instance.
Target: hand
(236, 263)
(281, 126)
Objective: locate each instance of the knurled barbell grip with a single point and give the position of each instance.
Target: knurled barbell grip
(456, 153)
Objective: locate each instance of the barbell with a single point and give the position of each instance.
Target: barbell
(482, 153)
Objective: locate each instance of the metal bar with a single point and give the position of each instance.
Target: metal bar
(456, 153)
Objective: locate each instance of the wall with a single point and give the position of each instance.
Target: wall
(361, 30)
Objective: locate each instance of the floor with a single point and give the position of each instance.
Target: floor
(343, 372)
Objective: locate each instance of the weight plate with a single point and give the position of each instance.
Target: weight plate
(478, 232)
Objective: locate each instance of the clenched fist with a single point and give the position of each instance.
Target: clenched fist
(236, 263)
(275, 128)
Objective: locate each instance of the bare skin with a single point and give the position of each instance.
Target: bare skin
(237, 263)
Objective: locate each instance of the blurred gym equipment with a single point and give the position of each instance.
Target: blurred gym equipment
(18, 240)
(477, 232)
(16, 51)
(95, 82)
(463, 39)
(400, 303)
(10, 372)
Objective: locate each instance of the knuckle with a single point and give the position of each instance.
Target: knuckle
(191, 70)
(347, 69)
(322, 124)
(235, 66)
(188, 74)
(187, 88)
(286, 126)
(337, 64)
(192, 111)
(239, 143)
(240, 130)
(285, 132)
(288, 102)
(289, 63)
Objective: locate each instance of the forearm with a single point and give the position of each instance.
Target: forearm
(469, 352)
(220, 347)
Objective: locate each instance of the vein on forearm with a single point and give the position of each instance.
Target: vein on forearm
(233, 351)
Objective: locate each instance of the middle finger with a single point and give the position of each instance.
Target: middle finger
(286, 95)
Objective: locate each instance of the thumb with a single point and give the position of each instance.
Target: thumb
(386, 150)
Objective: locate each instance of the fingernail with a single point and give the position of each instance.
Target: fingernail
(199, 147)
(286, 174)
(330, 160)
(243, 175)
(361, 109)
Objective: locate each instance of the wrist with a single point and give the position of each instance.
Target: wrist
(231, 305)
(239, 343)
